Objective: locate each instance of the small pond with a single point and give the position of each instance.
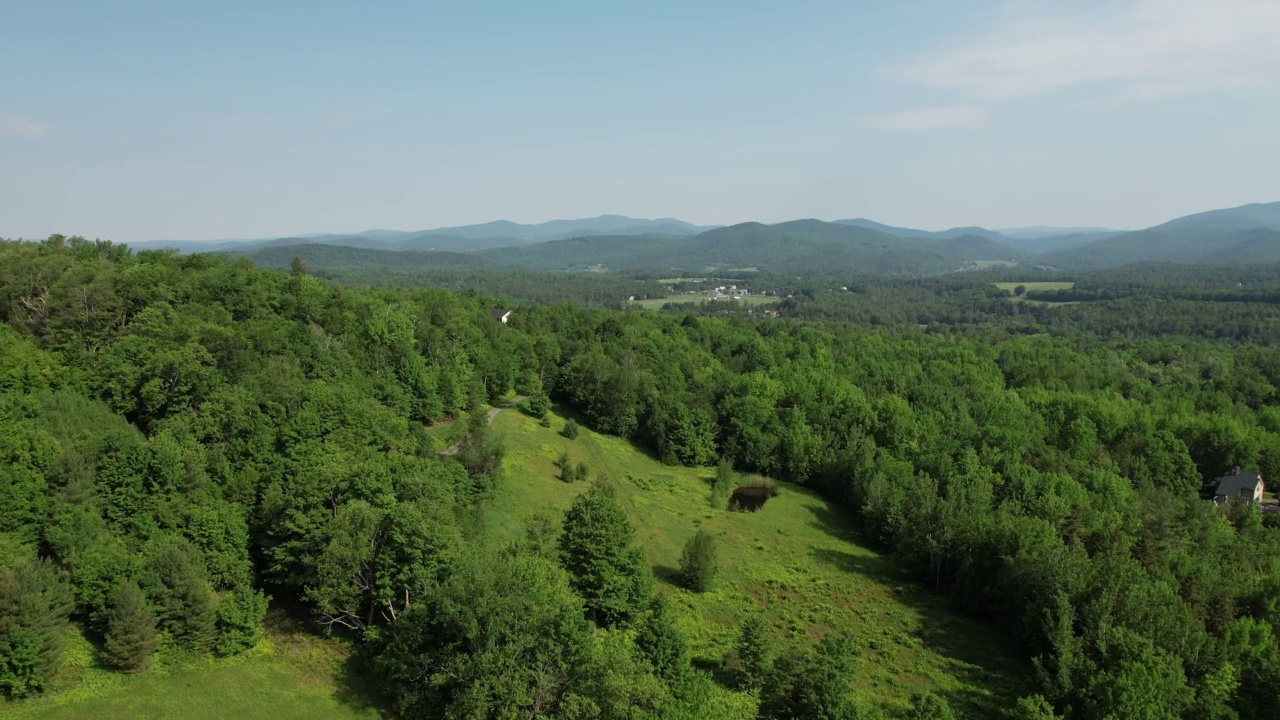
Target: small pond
(750, 498)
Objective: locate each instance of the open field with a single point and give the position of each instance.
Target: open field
(290, 674)
(656, 303)
(796, 560)
(1034, 286)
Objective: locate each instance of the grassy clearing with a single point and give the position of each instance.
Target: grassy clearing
(291, 674)
(1035, 285)
(795, 560)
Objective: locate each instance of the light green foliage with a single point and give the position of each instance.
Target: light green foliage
(699, 565)
(605, 568)
(794, 558)
(725, 482)
(166, 418)
(502, 637)
(240, 614)
(662, 643)
(131, 629)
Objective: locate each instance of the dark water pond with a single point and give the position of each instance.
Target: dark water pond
(750, 498)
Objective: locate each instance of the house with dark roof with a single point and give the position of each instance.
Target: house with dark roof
(500, 315)
(1241, 485)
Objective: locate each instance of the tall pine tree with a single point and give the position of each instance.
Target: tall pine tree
(131, 629)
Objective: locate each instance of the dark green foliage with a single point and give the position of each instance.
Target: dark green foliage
(480, 454)
(503, 637)
(571, 472)
(35, 601)
(605, 568)
(211, 430)
(1034, 707)
(928, 706)
(570, 429)
(131, 629)
(661, 643)
(698, 564)
(754, 653)
(177, 584)
(817, 683)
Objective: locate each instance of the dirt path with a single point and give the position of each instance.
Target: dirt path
(489, 416)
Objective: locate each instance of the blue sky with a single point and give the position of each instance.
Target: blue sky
(145, 120)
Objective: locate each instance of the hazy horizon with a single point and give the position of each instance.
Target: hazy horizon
(147, 121)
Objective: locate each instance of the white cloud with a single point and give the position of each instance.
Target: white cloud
(1147, 48)
(24, 128)
(933, 118)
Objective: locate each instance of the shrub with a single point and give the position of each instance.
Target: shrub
(537, 405)
(726, 480)
(570, 429)
(698, 568)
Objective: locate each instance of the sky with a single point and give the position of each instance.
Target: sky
(248, 119)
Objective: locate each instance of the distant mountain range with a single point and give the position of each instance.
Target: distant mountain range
(1247, 234)
(464, 238)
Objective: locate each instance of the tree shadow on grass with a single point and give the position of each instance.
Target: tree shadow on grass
(668, 574)
(992, 670)
(354, 687)
(718, 670)
(302, 643)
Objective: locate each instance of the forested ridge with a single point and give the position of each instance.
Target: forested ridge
(185, 437)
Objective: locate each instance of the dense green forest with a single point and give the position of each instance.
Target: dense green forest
(189, 440)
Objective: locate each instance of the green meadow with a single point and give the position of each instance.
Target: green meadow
(1035, 285)
(290, 675)
(797, 560)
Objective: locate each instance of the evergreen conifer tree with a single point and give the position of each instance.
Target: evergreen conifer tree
(698, 566)
(755, 653)
(131, 629)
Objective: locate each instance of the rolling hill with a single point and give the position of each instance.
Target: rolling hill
(339, 256)
(1041, 238)
(1246, 234)
(464, 238)
(794, 245)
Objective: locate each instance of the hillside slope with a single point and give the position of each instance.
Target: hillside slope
(1250, 233)
(795, 560)
(796, 245)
